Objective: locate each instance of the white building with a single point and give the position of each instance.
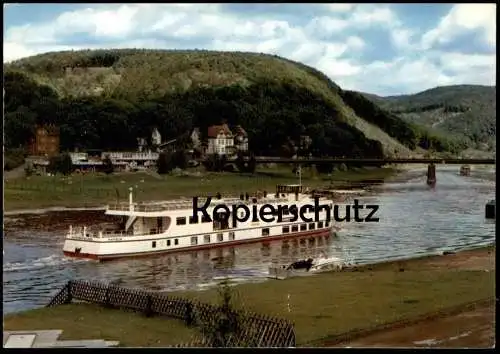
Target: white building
(220, 140)
(241, 139)
(132, 160)
(155, 137)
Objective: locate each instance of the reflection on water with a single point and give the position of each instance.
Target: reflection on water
(24, 280)
(414, 220)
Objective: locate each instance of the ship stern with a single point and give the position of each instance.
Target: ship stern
(79, 244)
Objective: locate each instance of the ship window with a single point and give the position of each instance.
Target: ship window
(327, 223)
(153, 244)
(168, 242)
(303, 227)
(176, 241)
(265, 232)
(220, 237)
(192, 221)
(206, 238)
(312, 226)
(231, 236)
(181, 221)
(205, 219)
(295, 228)
(286, 229)
(194, 241)
(320, 224)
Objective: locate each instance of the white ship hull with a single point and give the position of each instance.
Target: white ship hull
(170, 227)
(106, 249)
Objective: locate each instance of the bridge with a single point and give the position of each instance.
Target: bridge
(375, 161)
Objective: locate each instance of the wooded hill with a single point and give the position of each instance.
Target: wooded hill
(105, 99)
(467, 112)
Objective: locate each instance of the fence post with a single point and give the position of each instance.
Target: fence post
(69, 295)
(188, 315)
(149, 306)
(107, 299)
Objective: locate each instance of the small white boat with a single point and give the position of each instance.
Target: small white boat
(327, 264)
(305, 266)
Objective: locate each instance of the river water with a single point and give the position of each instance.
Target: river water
(414, 220)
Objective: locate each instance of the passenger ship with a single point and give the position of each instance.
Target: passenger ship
(169, 226)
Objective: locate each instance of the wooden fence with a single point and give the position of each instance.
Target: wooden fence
(258, 330)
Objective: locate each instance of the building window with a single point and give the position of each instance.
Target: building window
(286, 229)
(295, 228)
(194, 241)
(320, 224)
(205, 219)
(206, 238)
(312, 226)
(168, 242)
(176, 241)
(181, 221)
(303, 227)
(327, 224)
(192, 221)
(231, 236)
(153, 244)
(265, 232)
(220, 237)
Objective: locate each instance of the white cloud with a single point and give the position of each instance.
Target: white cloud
(326, 42)
(461, 18)
(424, 72)
(13, 51)
(340, 7)
(401, 38)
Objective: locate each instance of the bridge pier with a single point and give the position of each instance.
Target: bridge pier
(431, 174)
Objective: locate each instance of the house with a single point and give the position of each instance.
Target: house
(131, 160)
(196, 138)
(46, 141)
(155, 137)
(141, 144)
(241, 139)
(220, 140)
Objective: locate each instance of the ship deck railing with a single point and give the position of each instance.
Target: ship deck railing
(187, 204)
(85, 232)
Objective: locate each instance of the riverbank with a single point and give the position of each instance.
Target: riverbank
(24, 195)
(322, 306)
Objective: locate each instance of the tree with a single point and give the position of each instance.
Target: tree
(29, 169)
(215, 163)
(225, 326)
(246, 166)
(107, 165)
(165, 163)
(252, 164)
(179, 159)
(61, 163)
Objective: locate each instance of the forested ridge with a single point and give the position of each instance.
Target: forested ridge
(467, 112)
(106, 99)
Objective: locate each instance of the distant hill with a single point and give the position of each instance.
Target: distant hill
(466, 111)
(107, 98)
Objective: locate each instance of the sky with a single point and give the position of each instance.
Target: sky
(385, 49)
